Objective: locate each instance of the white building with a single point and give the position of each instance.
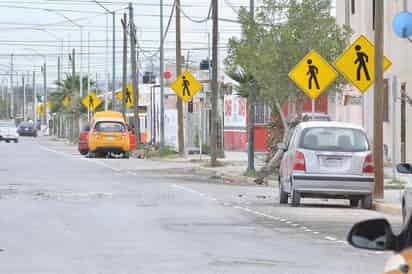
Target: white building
(358, 14)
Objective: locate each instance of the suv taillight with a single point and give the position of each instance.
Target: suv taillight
(368, 166)
(299, 161)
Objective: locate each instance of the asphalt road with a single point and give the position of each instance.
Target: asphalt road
(62, 213)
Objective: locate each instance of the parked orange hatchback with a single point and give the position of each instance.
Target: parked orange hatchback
(109, 134)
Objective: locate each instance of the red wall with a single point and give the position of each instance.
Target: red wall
(235, 140)
(261, 138)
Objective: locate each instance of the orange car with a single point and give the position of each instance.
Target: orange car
(109, 134)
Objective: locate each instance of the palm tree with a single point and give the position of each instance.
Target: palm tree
(248, 88)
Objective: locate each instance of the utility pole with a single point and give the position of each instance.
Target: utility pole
(378, 101)
(34, 97)
(11, 87)
(124, 82)
(73, 69)
(403, 122)
(114, 62)
(106, 67)
(45, 94)
(180, 132)
(81, 62)
(251, 112)
(213, 139)
(135, 87)
(161, 79)
(88, 64)
(24, 97)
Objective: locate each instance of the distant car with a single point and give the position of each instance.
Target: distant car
(83, 139)
(27, 129)
(309, 116)
(8, 132)
(327, 160)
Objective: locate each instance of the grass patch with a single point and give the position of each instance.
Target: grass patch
(218, 164)
(250, 173)
(165, 152)
(395, 184)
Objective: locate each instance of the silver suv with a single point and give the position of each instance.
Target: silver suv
(327, 160)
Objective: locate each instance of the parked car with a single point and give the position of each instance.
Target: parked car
(109, 134)
(27, 129)
(327, 160)
(83, 139)
(405, 169)
(8, 132)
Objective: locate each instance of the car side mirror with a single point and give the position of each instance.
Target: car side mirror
(404, 168)
(372, 234)
(87, 128)
(282, 146)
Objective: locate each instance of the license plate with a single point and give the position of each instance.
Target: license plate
(26, 129)
(333, 162)
(110, 138)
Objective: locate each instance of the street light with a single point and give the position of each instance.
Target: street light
(113, 51)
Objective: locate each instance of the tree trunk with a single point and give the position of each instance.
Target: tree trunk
(283, 119)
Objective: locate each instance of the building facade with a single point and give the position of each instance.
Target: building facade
(359, 15)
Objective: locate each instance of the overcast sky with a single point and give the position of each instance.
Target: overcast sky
(32, 27)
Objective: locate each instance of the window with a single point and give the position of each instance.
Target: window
(262, 113)
(110, 127)
(386, 100)
(353, 6)
(334, 139)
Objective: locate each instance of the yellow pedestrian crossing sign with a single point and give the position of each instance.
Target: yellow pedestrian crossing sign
(357, 63)
(313, 74)
(129, 96)
(91, 101)
(186, 86)
(67, 101)
(40, 108)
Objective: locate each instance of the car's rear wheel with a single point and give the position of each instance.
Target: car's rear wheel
(283, 196)
(367, 202)
(7, 141)
(16, 141)
(354, 202)
(84, 152)
(295, 198)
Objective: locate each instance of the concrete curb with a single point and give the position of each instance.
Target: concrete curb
(387, 208)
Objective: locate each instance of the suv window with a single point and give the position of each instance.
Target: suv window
(109, 127)
(334, 139)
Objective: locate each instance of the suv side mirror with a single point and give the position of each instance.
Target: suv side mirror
(282, 146)
(372, 234)
(404, 168)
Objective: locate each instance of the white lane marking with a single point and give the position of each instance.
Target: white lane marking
(84, 159)
(190, 190)
(246, 209)
(102, 164)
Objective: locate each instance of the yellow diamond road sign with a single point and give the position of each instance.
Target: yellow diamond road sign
(357, 63)
(313, 74)
(40, 108)
(186, 86)
(129, 96)
(66, 101)
(91, 101)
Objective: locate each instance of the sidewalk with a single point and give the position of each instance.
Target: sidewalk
(231, 169)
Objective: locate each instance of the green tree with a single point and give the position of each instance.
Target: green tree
(69, 87)
(283, 32)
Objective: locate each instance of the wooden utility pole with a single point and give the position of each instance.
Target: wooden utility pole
(124, 81)
(213, 137)
(251, 112)
(135, 86)
(403, 122)
(180, 132)
(378, 101)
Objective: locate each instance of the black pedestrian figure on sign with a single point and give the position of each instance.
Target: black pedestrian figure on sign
(313, 74)
(91, 102)
(128, 97)
(186, 85)
(361, 60)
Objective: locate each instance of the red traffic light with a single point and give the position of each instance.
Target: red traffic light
(167, 75)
